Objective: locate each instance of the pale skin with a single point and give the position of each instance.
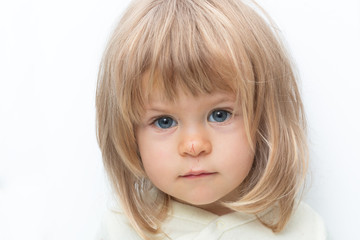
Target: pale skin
(195, 149)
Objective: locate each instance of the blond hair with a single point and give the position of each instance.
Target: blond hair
(201, 46)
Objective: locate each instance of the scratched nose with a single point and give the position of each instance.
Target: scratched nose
(195, 146)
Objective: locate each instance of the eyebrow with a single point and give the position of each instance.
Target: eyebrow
(157, 109)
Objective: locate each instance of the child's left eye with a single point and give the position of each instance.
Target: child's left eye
(219, 116)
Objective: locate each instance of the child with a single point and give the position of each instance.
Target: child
(201, 126)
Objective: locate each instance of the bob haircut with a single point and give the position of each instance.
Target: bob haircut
(200, 47)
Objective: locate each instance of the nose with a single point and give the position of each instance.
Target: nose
(195, 145)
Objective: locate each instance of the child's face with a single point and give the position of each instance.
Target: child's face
(196, 148)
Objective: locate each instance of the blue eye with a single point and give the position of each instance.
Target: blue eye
(219, 116)
(165, 122)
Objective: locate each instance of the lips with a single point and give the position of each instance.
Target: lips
(197, 174)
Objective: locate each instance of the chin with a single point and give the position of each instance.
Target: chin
(200, 201)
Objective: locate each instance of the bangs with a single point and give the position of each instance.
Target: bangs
(182, 49)
(189, 53)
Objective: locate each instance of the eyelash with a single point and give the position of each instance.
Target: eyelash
(156, 123)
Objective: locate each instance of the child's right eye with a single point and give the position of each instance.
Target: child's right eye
(165, 122)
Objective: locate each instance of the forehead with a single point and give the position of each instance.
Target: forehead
(158, 87)
(186, 98)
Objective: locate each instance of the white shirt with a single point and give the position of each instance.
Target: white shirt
(186, 222)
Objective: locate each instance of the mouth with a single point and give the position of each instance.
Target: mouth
(197, 174)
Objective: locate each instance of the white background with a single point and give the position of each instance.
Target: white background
(52, 184)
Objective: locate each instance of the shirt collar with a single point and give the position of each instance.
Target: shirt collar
(200, 216)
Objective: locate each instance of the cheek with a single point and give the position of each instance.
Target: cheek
(156, 158)
(237, 155)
